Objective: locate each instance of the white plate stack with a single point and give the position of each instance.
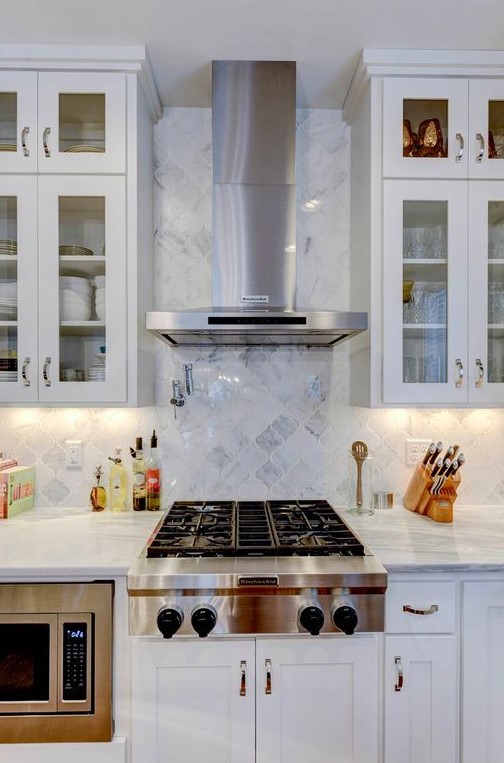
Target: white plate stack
(75, 298)
(96, 372)
(8, 299)
(100, 297)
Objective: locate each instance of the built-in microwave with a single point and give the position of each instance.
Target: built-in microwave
(56, 662)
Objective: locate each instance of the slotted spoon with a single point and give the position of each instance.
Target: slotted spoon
(360, 453)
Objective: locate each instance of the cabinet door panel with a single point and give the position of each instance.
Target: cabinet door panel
(323, 704)
(425, 328)
(18, 292)
(420, 699)
(415, 105)
(18, 122)
(187, 701)
(486, 129)
(483, 673)
(486, 295)
(82, 122)
(82, 277)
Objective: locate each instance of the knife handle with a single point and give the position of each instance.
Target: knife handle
(428, 453)
(439, 448)
(437, 466)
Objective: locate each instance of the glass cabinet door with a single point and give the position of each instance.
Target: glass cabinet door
(425, 288)
(486, 305)
(82, 120)
(425, 128)
(18, 289)
(18, 122)
(82, 336)
(486, 128)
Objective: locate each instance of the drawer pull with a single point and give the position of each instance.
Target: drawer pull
(412, 611)
(267, 665)
(399, 674)
(243, 678)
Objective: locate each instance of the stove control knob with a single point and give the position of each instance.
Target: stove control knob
(311, 618)
(345, 618)
(169, 620)
(203, 619)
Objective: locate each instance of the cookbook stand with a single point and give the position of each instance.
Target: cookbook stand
(438, 506)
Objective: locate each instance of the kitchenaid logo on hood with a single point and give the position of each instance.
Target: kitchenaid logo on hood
(255, 299)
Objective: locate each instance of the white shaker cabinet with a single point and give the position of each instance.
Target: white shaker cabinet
(256, 701)
(483, 672)
(428, 228)
(421, 673)
(76, 226)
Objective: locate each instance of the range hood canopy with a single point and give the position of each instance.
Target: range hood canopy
(254, 222)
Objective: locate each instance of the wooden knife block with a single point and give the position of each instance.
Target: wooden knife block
(418, 497)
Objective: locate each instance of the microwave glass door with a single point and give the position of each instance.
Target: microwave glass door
(28, 663)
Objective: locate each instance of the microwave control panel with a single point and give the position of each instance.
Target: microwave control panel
(75, 659)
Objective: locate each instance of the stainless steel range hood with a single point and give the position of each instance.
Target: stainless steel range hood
(254, 222)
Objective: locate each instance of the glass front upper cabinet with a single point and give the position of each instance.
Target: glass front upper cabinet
(62, 122)
(443, 128)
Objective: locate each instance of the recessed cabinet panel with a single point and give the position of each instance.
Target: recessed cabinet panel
(18, 288)
(82, 122)
(425, 128)
(18, 121)
(425, 289)
(82, 338)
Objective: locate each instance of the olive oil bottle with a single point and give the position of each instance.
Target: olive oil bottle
(139, 470)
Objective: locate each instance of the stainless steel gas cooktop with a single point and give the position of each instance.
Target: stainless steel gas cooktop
(236, 567)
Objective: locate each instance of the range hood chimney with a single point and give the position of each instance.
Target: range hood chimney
(254, 222)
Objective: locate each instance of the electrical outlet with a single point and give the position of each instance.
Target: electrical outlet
(73, 454)
(415, 450)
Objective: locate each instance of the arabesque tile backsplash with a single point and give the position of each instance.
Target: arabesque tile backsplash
(262, 422)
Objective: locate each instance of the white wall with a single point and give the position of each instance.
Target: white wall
(262, 422)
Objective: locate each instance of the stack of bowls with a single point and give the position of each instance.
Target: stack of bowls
(100, 297)
(75, 298)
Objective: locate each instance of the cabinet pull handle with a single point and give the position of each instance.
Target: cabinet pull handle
(24, 372)
(47, 150)
(429, 611)
(460, 153)
(24, 133)
(481, 373)
(267, 665)
(243, 678)
(45, 372)
(460, 372)
(399, 674)
(481, 152)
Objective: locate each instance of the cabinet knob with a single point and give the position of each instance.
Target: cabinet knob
(24, 372)
(243, 678)
(45, 372)
(481, 152)
(24, 133)
(460, 152)
(399, 674)
(459, 372)
(481, 373)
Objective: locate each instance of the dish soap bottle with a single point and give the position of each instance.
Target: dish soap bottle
(117, 483)
(98, 495)
(153, 478)
(139, 489)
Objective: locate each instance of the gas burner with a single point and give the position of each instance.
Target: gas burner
(253, 528)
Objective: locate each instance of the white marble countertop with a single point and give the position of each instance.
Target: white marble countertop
(405, 541)
(69, 542)
(77, 542)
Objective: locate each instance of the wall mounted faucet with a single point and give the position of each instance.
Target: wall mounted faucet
(189, 384)
(178, 399)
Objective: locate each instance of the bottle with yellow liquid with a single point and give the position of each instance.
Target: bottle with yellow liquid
(117, 483)
(98, 495)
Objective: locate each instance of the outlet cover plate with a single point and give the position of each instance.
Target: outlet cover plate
(73, 454)
(415, 451)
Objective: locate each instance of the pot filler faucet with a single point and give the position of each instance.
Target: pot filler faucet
(178, 397)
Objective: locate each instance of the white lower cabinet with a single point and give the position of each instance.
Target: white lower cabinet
(420, 699)
(256, 700)
(483, 672)
(421, 672)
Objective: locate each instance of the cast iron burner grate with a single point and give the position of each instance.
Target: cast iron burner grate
(253, 528)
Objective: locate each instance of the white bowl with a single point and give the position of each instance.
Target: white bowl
(75, 283)
(73, 313)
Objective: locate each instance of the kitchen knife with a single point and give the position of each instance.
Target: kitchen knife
(428, 453)
(439, 448)
(449, 453)
(446, 464)
(437, 466)
(452, 468)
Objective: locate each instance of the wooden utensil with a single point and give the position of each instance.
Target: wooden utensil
(360, 453)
